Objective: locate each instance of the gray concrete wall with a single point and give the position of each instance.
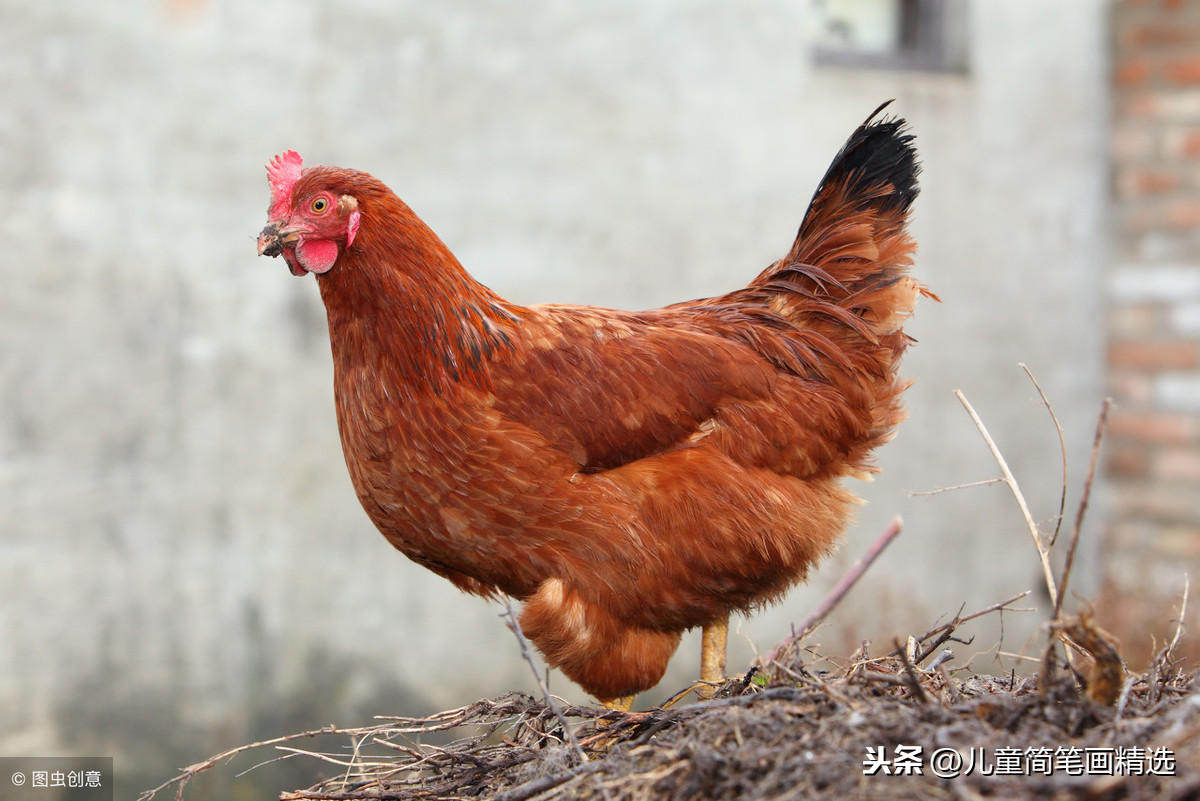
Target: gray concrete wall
(182, 559)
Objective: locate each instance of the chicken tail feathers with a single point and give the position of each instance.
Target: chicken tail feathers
(876, 168)
(839, 300)
(851, 258)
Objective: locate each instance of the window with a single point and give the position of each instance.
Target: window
(891, 34)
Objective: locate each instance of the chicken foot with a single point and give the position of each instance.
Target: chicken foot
(619, 704)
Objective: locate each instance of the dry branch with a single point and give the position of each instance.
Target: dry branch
(1083, 504)
(1179, 623)
(944, 633)
(827, 605)
(514, 626)
(1062, 449)
(1015, 489)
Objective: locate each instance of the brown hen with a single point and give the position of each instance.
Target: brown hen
(626, 475)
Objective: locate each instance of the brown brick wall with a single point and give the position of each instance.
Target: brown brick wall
(1153, 447)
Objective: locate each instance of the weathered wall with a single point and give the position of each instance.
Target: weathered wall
(182, 559)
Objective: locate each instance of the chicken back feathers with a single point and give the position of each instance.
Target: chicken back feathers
(626, 475)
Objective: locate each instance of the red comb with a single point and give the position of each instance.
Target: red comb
(282, 173)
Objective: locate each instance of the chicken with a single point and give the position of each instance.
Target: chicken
(626, 476)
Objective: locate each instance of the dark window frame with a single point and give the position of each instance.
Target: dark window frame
(927, 43)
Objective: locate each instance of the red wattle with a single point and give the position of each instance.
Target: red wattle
(317, 255)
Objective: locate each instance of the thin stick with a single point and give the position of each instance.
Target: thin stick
(960, 619)
(910, 674)
(840, 589)
(1083, 505)
(515, 626)
(493, 709)
(1015, 489)
(944, 656)
(200, 767)
(1179, 624)
(939, 490)
(948, 683)
(1161, 662)
(1122, 702)
(352, 762)
(1062, 448)
(551, 702)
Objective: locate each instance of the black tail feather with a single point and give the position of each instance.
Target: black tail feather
(879, 154)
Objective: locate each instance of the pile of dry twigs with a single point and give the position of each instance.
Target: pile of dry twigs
(871, 727)
(907, 723)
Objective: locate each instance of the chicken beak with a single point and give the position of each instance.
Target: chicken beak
(272, 239)
(269, 243)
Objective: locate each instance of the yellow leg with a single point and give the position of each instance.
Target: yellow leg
(712, 657)
(602, 742)
(619, 704)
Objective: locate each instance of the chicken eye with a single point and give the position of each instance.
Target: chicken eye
(319, 205)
